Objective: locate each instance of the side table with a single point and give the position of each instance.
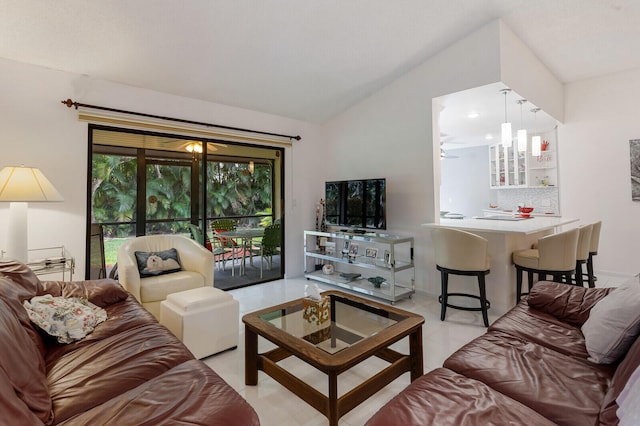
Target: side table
(51, 260)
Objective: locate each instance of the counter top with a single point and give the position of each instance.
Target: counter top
(525, 227)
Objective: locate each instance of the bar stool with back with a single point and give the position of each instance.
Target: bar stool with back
(461, 253)
(555, 255)
(593, 250)
(582, 253)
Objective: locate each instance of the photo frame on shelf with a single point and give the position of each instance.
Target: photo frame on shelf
(330, 248)
(345, 248)
(371, 253)
(353, 250)
(387, 257)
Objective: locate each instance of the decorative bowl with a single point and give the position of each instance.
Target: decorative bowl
(525, 209)
(376, 281)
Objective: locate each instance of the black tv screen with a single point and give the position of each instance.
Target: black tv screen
(356, 203)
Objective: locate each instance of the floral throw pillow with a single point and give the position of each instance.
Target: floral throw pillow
(67, 319)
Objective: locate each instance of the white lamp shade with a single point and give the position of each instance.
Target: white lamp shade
(506, 135)
(21, 185)
(522, 140)
(26, 184)
(535, 146)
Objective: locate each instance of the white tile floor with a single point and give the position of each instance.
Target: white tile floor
(277, 406)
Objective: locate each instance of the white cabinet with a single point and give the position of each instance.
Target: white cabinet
(387, 258)
(543, 170)
(508, 167)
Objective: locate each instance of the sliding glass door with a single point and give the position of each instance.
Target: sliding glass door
(144, 183)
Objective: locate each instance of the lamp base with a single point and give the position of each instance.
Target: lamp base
(17, 232)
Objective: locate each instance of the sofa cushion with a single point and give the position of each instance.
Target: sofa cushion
(614, 323)
(156, 289)
(23, 385)
(442, 397)
(625, 369)
(101, 369)
(629, 401)
(102, 292)
(155, 263)
(568, 303)
(543, 329)
(188, 394)
(557, 386)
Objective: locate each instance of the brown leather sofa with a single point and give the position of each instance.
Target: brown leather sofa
(530, 367)
(130, 370)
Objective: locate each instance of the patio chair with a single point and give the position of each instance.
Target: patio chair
(225, 244)
(197, 235)
(270, 244)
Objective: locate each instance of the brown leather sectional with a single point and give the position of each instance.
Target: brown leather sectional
(130, 370)
(529, 368)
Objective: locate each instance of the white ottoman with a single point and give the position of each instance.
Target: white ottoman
(205, 319)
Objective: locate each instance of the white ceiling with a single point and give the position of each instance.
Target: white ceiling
(308, 60)
(458, 130)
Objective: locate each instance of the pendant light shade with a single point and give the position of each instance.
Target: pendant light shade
(506, 133)
(522, 140)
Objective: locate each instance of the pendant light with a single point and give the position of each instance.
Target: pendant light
(535, 141)
(506, 126)
(522, 132)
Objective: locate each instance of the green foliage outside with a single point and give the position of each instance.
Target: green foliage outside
(232, 191)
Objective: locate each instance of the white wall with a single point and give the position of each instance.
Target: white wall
(465, 181)
(523, 72)
(601, 117)
(390, 134)
(37, 130)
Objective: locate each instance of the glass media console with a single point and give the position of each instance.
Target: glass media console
(377, 264)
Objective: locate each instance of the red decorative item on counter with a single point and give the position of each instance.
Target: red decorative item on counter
(544, 145)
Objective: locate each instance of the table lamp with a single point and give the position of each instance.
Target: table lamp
(21, 185)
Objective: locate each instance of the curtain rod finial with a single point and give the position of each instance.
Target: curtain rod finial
(69, 103)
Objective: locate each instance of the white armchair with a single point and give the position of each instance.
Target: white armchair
(196, 261)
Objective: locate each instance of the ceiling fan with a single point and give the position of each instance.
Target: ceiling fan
(191, 145)
(444, 155)
(444, 138)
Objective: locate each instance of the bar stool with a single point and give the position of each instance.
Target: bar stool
(461, 253)
(582, 253)
(593, 250)
(555, 255)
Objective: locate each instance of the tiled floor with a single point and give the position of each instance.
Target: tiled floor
(277, 406)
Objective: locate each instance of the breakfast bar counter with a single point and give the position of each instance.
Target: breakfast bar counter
(505, 235)
(506, 224)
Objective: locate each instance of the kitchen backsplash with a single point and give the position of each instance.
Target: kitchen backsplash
(543, 200)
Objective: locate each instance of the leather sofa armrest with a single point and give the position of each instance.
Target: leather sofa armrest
(565, 302)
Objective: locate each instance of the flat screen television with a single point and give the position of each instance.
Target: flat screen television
(356, 203)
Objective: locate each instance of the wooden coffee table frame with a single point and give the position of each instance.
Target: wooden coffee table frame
(334, 364)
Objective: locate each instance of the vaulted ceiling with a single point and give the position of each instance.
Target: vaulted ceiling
(308, 60)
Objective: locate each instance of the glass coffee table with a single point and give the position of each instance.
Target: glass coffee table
(333, 335)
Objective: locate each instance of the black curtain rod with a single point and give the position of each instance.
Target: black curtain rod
(69, 103)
